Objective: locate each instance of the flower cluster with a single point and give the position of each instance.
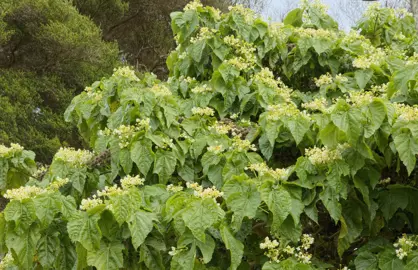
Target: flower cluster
(125, 133)
(406, 112)
(221, 128)
(404, 246)
(109, 191)
(7, 261)
(24, 192)
(13, 149)
(216, 149)
(317, 5)
(74, 157)
(373, 56)
(125, 72)
(96, 94)
(301, 254)
(173, 188)
(199, 191)
(265, 76)
(57, 183)
(262, 169)
(380, 89)
(248, 14)
(242, 145)
(40, 171)
(317, 33)
(131, 181)
(324, 155)
(242, 48)
(201, 89)
(193, 5)
(204, 33)
(203, 111)
(341, 78)
(174, 251)
(318, 104)
(160, 90)
(89, 203)
(324, 79)
(360, 98)
(276, 30)
(272, 249)
(412, 60)
(276, 112)
(239, 63)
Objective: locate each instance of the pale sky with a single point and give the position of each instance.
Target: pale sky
(344, 11)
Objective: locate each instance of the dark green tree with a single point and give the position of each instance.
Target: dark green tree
(48, 52)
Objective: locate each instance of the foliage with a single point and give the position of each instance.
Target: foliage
(227, 165)
(48, 51)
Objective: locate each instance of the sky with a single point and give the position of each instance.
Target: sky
(344, 11)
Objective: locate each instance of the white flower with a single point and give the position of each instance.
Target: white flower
(7, 261)
(160, 90)
(216, 149)
(210, 192)
(131, 181)
(87, 204)
(24, 192)
(57, 183)
(193, 5)
(324, 79)
(125, 72)
(242, 145)
(203, 111)
(173, 188)
(14, 148)
(324, 155)
(76, 158)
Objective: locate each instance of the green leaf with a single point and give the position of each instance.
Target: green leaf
(140, 225)
(47, 206)
(401, 79)
(389, 261)
(151, 257)
(366, 261)
(23, 213)
(243, 199)
(278, 201)
(142, 155)
(47, 249)
(298, 127)
(349, 122)
(77, 177)
(331, 203)
(196, 50)
(363, 77)
(184, 260)
(407, 148)
(165, 164)
(376, 114)
(294, 18)
(108, 257)
(125, 160)
(24, 245)
(84, 229)
(121, 207)
(235, 246)
(200, 214)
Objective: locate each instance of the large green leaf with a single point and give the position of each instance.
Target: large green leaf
(24, 245)
(85, 229)
(366, 261)
(235, 247)
(142, 155)
(140, 225)
(242, 198)
(165, 164)
(47, 249)
(278, 201)
(108, 257)
(407, 148)
(200, 214)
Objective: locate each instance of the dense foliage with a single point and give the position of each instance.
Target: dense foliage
(283, 146)
(48, 51)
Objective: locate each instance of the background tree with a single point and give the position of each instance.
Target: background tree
(48, 51)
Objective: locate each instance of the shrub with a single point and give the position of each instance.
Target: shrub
(227, 166)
